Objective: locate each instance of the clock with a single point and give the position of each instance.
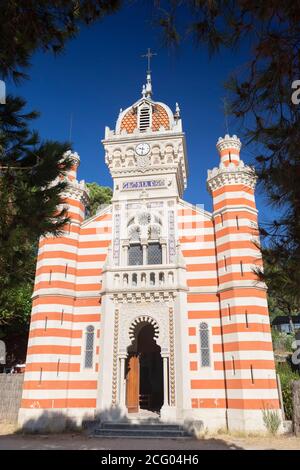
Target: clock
(142, 149)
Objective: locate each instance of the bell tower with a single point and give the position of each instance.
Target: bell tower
(147, 150)
(146, 157)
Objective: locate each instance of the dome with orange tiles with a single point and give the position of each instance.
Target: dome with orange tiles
(158, 118)
(146, 115)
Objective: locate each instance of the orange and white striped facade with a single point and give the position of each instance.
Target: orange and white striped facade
(88, 299)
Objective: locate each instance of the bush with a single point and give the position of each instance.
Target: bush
(271, 420)
(282, 341)
(287, 376)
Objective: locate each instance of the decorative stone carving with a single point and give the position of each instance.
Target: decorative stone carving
(116, 245)
(142, 297)
(231, 174)
(143, 162)
(115, 359)
(172, 243)
(228, 142)
(156, 314)
(172, 357)
(165, 157)
(143, 319)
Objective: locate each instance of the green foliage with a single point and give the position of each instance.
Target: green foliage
(15, 307)
(98, 195)
(282, 342)
(29, 198)
(281, 278)
(271, 420)
(30, 25)
(287, 376)
(31, 187)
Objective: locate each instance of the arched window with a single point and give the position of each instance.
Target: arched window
(204, 345)
(154, 253)
(135, 254)
(89, 347)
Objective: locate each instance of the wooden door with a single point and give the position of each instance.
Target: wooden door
(133, 384)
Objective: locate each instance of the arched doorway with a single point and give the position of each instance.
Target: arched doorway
(144, 371)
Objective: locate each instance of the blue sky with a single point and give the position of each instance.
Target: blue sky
(102, 71)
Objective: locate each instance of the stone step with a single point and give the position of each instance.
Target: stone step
(134, 433)
(140, 426)
(149, 430)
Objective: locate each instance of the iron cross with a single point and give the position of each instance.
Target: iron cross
(149, 56)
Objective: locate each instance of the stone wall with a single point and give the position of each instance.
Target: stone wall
(296, 405)
(10, 396)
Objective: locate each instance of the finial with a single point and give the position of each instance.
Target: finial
(148, 88)
(143, 91)
(177, 112)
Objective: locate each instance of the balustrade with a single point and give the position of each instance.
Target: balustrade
(143, 279)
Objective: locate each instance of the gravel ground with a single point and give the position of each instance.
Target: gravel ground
(10, 441)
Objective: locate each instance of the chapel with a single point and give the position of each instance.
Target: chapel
(153, 303)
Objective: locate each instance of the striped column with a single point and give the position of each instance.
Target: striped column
(245, 339)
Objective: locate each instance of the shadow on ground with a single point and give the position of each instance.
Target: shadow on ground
(83, 442)
(54, 430)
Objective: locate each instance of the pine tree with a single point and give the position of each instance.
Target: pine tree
(98, 196)
(260, 95)
(283, 298)
(31, 188)
(30, 25)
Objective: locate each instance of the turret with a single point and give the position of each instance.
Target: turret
(57, 255)
(246, 344)
(229, 149)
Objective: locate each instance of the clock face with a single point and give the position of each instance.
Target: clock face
(142, 149)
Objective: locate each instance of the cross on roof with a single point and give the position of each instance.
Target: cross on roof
(149, 56)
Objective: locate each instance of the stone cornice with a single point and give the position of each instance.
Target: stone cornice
(236, 207)
(231, 174)
(77, 190)
(143, 297)
(141, 137)
(234, 285)
(159, 170)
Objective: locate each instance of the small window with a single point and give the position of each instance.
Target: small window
(135, 255)
(204, 345)
(89, 347)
